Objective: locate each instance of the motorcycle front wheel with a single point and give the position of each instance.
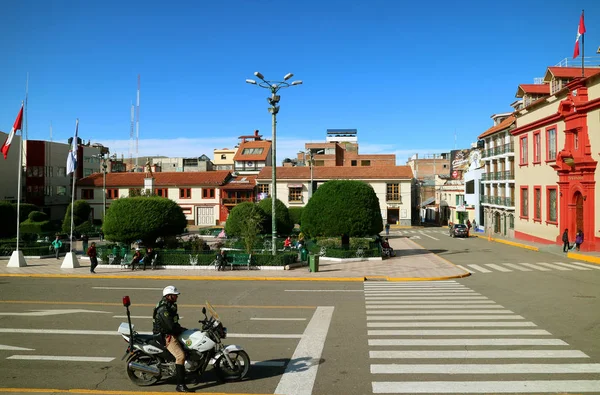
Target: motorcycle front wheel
(241, 365)
(140, 378)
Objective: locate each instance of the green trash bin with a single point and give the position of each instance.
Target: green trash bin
(303, 254)
(313, 263)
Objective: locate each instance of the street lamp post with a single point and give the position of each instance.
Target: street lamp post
(274, 87)
(103, 158)
(310, 163)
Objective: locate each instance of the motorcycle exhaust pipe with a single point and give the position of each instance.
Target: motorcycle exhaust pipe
(144, 368)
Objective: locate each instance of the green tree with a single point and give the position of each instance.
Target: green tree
(235, 222)
(295, 214)
(251, 225)
(81, 213)
(143, 218)
(36, 223)
(8, 219)
(342, 206)
(282, 216)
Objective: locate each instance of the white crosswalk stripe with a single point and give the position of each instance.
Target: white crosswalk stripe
(473, 345)
(506, 267)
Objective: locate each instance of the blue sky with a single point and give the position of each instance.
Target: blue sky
(407, 75)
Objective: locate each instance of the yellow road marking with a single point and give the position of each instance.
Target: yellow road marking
(107, 392)
(154, 304)
(190, 278)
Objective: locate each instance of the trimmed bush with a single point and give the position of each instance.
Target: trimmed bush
(25, 209)
(284, 223)
(81, 213)
(143, 218)
(342, 206)
(8, 220)
(235, 225)
(38, 216)
(295, 214)
(37, 228)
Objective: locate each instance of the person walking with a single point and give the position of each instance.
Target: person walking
(92, 253)
(468, 228)
(474, 226)
(578, 239)
(84, 241)
(387, 229)
(57, 245)
(221, 260)
(565, 240)
(165, 322)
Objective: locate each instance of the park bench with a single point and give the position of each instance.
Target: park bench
(239, 260)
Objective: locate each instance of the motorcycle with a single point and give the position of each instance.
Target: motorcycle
(149, 360)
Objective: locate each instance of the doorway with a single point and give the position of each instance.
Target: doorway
(497, 222)
(578, 211)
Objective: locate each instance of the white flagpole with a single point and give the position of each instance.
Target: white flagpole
(20, 170)
(74, 175)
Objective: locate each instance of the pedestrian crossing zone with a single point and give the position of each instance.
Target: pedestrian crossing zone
(443, 338)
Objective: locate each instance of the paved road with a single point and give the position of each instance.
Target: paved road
(493, 332)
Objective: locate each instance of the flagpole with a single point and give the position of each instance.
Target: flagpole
(582, 50)
(74, 146)
(20, 170)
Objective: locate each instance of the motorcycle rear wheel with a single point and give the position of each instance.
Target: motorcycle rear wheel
(241, 362)
(139, 378)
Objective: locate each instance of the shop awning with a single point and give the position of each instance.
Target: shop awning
(427, 202)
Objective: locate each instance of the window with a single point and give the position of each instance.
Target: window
(295, 194)
(186, 210)
(393, 192)
(185, 193)
(551, 214)
(208, 193)
(163, 192)
(524, 202)
(223, 156)
(61, 171)
(252, 151)
(470, 187)
(61, 190)
(319, 163)
(523, 150)
(537, 199)
(365, 163)
(511, 221)
(353, 163)
(551, 144)
(112, 193)
(575, 142)
(537, 149)
(460, 200)
(263, 188)
(87, 194)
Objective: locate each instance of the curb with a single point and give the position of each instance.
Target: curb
(510, 243)
(581, 257)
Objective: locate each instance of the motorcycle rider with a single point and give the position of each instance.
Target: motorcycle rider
(166, 323)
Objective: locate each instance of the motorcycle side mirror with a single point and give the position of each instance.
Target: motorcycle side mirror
(204, 310)
(126, 301)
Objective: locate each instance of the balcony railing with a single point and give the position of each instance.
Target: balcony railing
(237, 200)
(498, 176)
(503, 149)
(498, 200)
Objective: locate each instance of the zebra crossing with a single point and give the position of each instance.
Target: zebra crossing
(527, 267)
(444, 338)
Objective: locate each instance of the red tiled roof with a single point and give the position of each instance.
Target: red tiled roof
(240, 183)
(508, 121)
(568, 72)
(543, 89)
(339, 172)
(136, 180)
(264, 144)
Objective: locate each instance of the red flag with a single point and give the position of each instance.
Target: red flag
(580, 31)
(16, 126)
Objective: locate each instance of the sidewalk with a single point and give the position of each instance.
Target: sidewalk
(591, 256)
(411, 263)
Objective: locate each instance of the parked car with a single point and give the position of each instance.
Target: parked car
(459, 230)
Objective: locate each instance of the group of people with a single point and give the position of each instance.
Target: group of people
(140, 260)
(578, 240)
